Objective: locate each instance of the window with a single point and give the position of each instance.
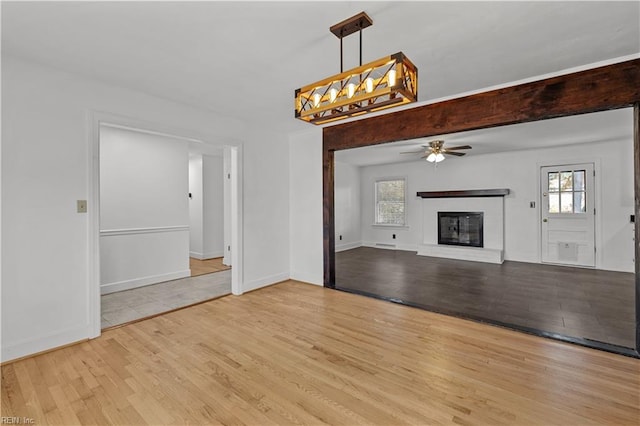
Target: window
(390, 202)
(567, 192)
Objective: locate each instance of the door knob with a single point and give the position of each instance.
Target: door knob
(544, 220)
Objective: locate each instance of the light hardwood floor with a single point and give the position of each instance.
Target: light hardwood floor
(207, 266)
(296, 353)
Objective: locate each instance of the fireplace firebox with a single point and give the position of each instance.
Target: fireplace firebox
(461, 228)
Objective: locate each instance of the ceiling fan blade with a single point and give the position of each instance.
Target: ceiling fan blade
(458, 147)
(458, 154)
(412, 152)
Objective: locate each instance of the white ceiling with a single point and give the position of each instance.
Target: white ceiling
(579, 129)
(245, 59)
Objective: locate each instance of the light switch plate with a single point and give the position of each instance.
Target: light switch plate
(82, 206)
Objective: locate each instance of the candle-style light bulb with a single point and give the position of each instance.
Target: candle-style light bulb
(351, 90)
(368, 84)
(391, 78)
(333, 95)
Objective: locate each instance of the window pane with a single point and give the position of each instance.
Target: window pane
(554, 202)
(579, 202)
(553, 182)
(391, 213)
(566, 181)
(578, 180)
(390, 202)
(566, 202)
(392, 190)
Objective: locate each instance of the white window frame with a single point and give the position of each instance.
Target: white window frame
(375, 202)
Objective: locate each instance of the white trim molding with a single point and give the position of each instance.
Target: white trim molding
(206, 256)
(347, 246)
(131, 231)
(143, 281)
(266, 281)
(35, 344)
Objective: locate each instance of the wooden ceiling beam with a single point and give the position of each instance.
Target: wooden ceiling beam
(598, 89)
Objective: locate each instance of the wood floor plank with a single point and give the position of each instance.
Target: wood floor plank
(207, 266)
(300, 354)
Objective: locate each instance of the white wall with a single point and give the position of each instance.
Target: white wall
(196, 247)
(347, 206)
(144, 211)
(305, 191)
(213, 206)
(206, 207)
(518, 171)
(265, 185)
(45, 169)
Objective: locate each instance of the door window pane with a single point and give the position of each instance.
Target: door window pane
(579, 202)
(566, 181)
(554, 202)
(554, 184)
(578, 180)
(566, 202)
(567, 191)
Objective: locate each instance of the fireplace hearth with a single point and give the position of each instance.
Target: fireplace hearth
(461, 229)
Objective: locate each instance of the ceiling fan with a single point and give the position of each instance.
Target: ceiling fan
(435, 152)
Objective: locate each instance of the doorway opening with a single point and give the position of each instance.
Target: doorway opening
(436, 259)
(568, 210)
(140, 220)
(209, 211)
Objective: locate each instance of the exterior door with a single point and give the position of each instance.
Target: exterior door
(568, 214)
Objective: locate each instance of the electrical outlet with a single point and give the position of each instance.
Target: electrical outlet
(532, 204)
(82, 206)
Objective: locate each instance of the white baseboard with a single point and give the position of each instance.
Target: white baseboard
(214, 254)
(348, 246)
(616, 268)
(391, 246)
(141, 282)
(205, 256)
(307, 277)
(263, 282)
(33, 345)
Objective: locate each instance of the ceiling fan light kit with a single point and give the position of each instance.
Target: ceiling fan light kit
(377, 85)
(435, 157)
(434, 151)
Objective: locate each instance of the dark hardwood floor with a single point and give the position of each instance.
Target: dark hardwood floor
(576, 302)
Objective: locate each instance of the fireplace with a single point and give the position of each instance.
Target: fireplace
(461, 228)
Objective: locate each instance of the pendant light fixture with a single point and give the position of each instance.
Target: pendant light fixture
(384, 83)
